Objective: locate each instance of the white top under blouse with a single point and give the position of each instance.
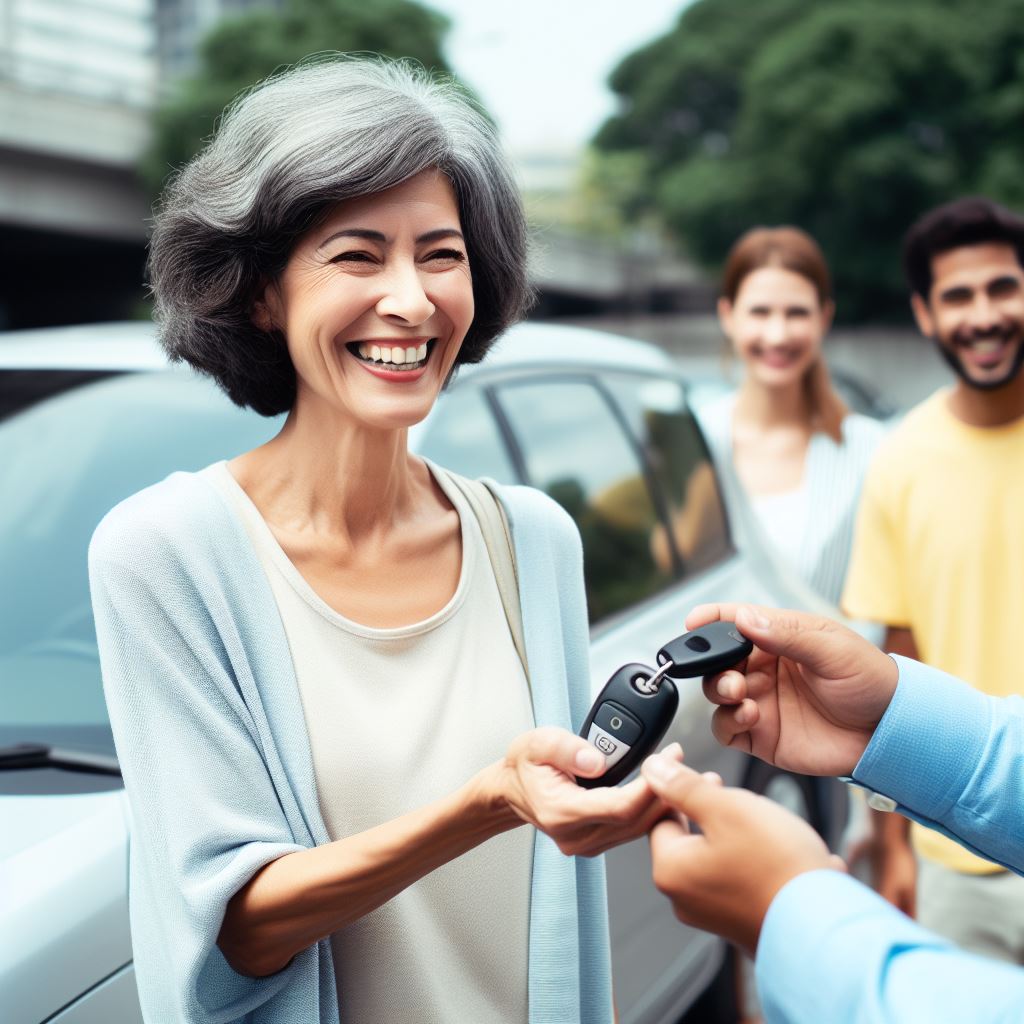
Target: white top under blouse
(397, 718)
(783, 517)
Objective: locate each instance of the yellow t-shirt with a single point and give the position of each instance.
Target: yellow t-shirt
(939, 549)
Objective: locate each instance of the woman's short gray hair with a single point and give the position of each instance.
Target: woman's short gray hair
(324, 131)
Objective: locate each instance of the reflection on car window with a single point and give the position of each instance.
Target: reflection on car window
(659, 417)
(464, 438)
(576, 450)
(64, 463)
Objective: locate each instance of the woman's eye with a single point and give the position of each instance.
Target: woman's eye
(355, 256)
(451, 255)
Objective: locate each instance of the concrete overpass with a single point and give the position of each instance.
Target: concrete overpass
(74, 219)
(72, 210)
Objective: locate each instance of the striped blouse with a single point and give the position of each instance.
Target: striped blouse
(833, 476)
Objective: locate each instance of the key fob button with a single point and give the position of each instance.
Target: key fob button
(614, 749)
(615, 720)
(626, 725)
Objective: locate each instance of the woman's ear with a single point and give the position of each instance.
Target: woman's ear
(265, 309)
(725, 315)
(828, 313)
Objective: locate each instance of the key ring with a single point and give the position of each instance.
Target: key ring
(651, 686)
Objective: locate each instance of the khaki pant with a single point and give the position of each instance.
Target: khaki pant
(981, 913)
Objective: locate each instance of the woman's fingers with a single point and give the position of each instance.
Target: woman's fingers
(565, 751)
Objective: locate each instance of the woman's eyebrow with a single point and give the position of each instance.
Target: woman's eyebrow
(438, 233)
(366, 233)
(379, 236)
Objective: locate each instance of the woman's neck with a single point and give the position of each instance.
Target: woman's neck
(765, 408)
(325, 471)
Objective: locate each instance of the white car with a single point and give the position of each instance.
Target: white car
(92, 414)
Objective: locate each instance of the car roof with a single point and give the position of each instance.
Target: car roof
(132, 345)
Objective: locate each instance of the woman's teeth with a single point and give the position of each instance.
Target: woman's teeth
(405, 357)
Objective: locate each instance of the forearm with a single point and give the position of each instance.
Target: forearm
(302, 897)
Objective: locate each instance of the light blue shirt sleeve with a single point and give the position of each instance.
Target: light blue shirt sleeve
(831, 949)
(953, 759)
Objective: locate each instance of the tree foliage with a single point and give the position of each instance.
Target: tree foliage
(846, 117)
(241, 51)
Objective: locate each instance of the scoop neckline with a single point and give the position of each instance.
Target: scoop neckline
(304, 589)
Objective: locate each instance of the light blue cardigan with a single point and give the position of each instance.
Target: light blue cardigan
(212, 743)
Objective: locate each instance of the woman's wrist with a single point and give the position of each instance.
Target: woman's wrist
(486, 797)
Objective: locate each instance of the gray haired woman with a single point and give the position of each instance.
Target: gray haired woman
(329, 742)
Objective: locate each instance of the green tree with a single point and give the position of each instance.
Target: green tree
(848, 118)
(241, 51)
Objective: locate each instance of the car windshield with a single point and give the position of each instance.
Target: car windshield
(65, 460)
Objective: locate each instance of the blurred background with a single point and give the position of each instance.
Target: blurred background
(647, 137)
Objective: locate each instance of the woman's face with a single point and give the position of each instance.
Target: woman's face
(375, 302)
(776, 325)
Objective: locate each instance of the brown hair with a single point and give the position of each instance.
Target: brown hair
(795, 250)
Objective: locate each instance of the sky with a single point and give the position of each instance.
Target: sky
(540, 66)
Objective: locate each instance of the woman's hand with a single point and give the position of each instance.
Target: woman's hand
(807, 699)
(537, 782)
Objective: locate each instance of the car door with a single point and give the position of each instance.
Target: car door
(623, 454)
(578, 440)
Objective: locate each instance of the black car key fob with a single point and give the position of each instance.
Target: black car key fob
(704, 652)
(628, 720)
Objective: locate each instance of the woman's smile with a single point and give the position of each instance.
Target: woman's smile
(398, 359)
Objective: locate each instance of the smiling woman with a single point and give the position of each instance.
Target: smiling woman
(785, 442)
(306, 646)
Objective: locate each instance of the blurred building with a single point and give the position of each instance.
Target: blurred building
(181, 24)
(77, 83)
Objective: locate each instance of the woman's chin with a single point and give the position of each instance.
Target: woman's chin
(778, 377)
(391, 416)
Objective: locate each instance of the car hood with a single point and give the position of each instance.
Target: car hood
(64, 906)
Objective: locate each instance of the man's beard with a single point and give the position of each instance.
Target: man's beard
(949, 354)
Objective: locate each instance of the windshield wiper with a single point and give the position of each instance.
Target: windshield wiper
(38, 755)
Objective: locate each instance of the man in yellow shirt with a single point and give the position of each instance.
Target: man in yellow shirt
(938, 554)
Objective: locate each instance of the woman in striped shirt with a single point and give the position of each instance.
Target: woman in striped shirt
(791, 455)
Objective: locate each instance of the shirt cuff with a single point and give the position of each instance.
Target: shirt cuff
(930, 738)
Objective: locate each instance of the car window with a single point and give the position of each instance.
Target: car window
(657, 412)
(24, 388)
(63, 464)
(575, 449)
(463, 436)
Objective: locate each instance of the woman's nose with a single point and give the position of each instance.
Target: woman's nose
(404, 297)
(775, 330)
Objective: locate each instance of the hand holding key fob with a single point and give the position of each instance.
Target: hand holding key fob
(634, 710)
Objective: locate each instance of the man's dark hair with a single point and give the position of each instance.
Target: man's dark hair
(972, 220)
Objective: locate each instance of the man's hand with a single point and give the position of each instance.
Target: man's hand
(809, 696)
(724, 879)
